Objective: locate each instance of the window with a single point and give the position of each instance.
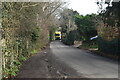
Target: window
(57, 34)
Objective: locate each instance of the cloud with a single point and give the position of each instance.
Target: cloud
(84, 6)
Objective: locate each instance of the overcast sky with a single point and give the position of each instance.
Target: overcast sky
(83, 6)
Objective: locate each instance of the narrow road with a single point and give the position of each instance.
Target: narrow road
(89, 65)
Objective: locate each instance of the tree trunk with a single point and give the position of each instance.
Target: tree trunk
(0, 53)
(0, 45)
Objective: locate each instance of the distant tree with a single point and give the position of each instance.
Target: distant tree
(86, 26)
(67, 20)
(67, 23)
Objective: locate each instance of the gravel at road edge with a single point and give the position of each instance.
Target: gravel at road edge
(46, 65)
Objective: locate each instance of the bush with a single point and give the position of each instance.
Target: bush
(71, 37)
(109, 47)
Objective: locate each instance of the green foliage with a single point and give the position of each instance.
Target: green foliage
(17, 62)
(89, 46)
(25, 29)
(34, 51)
(12, 71)
(35, 35)
(109, 47)
(71, 37)
(18, 27)
(86, 26)
(52, 33)
(109, 29)
(21, 58)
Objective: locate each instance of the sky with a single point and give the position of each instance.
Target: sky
(83, 6)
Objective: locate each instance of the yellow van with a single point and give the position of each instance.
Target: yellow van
(57, 35)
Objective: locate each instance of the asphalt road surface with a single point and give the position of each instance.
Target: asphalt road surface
(89, 65)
